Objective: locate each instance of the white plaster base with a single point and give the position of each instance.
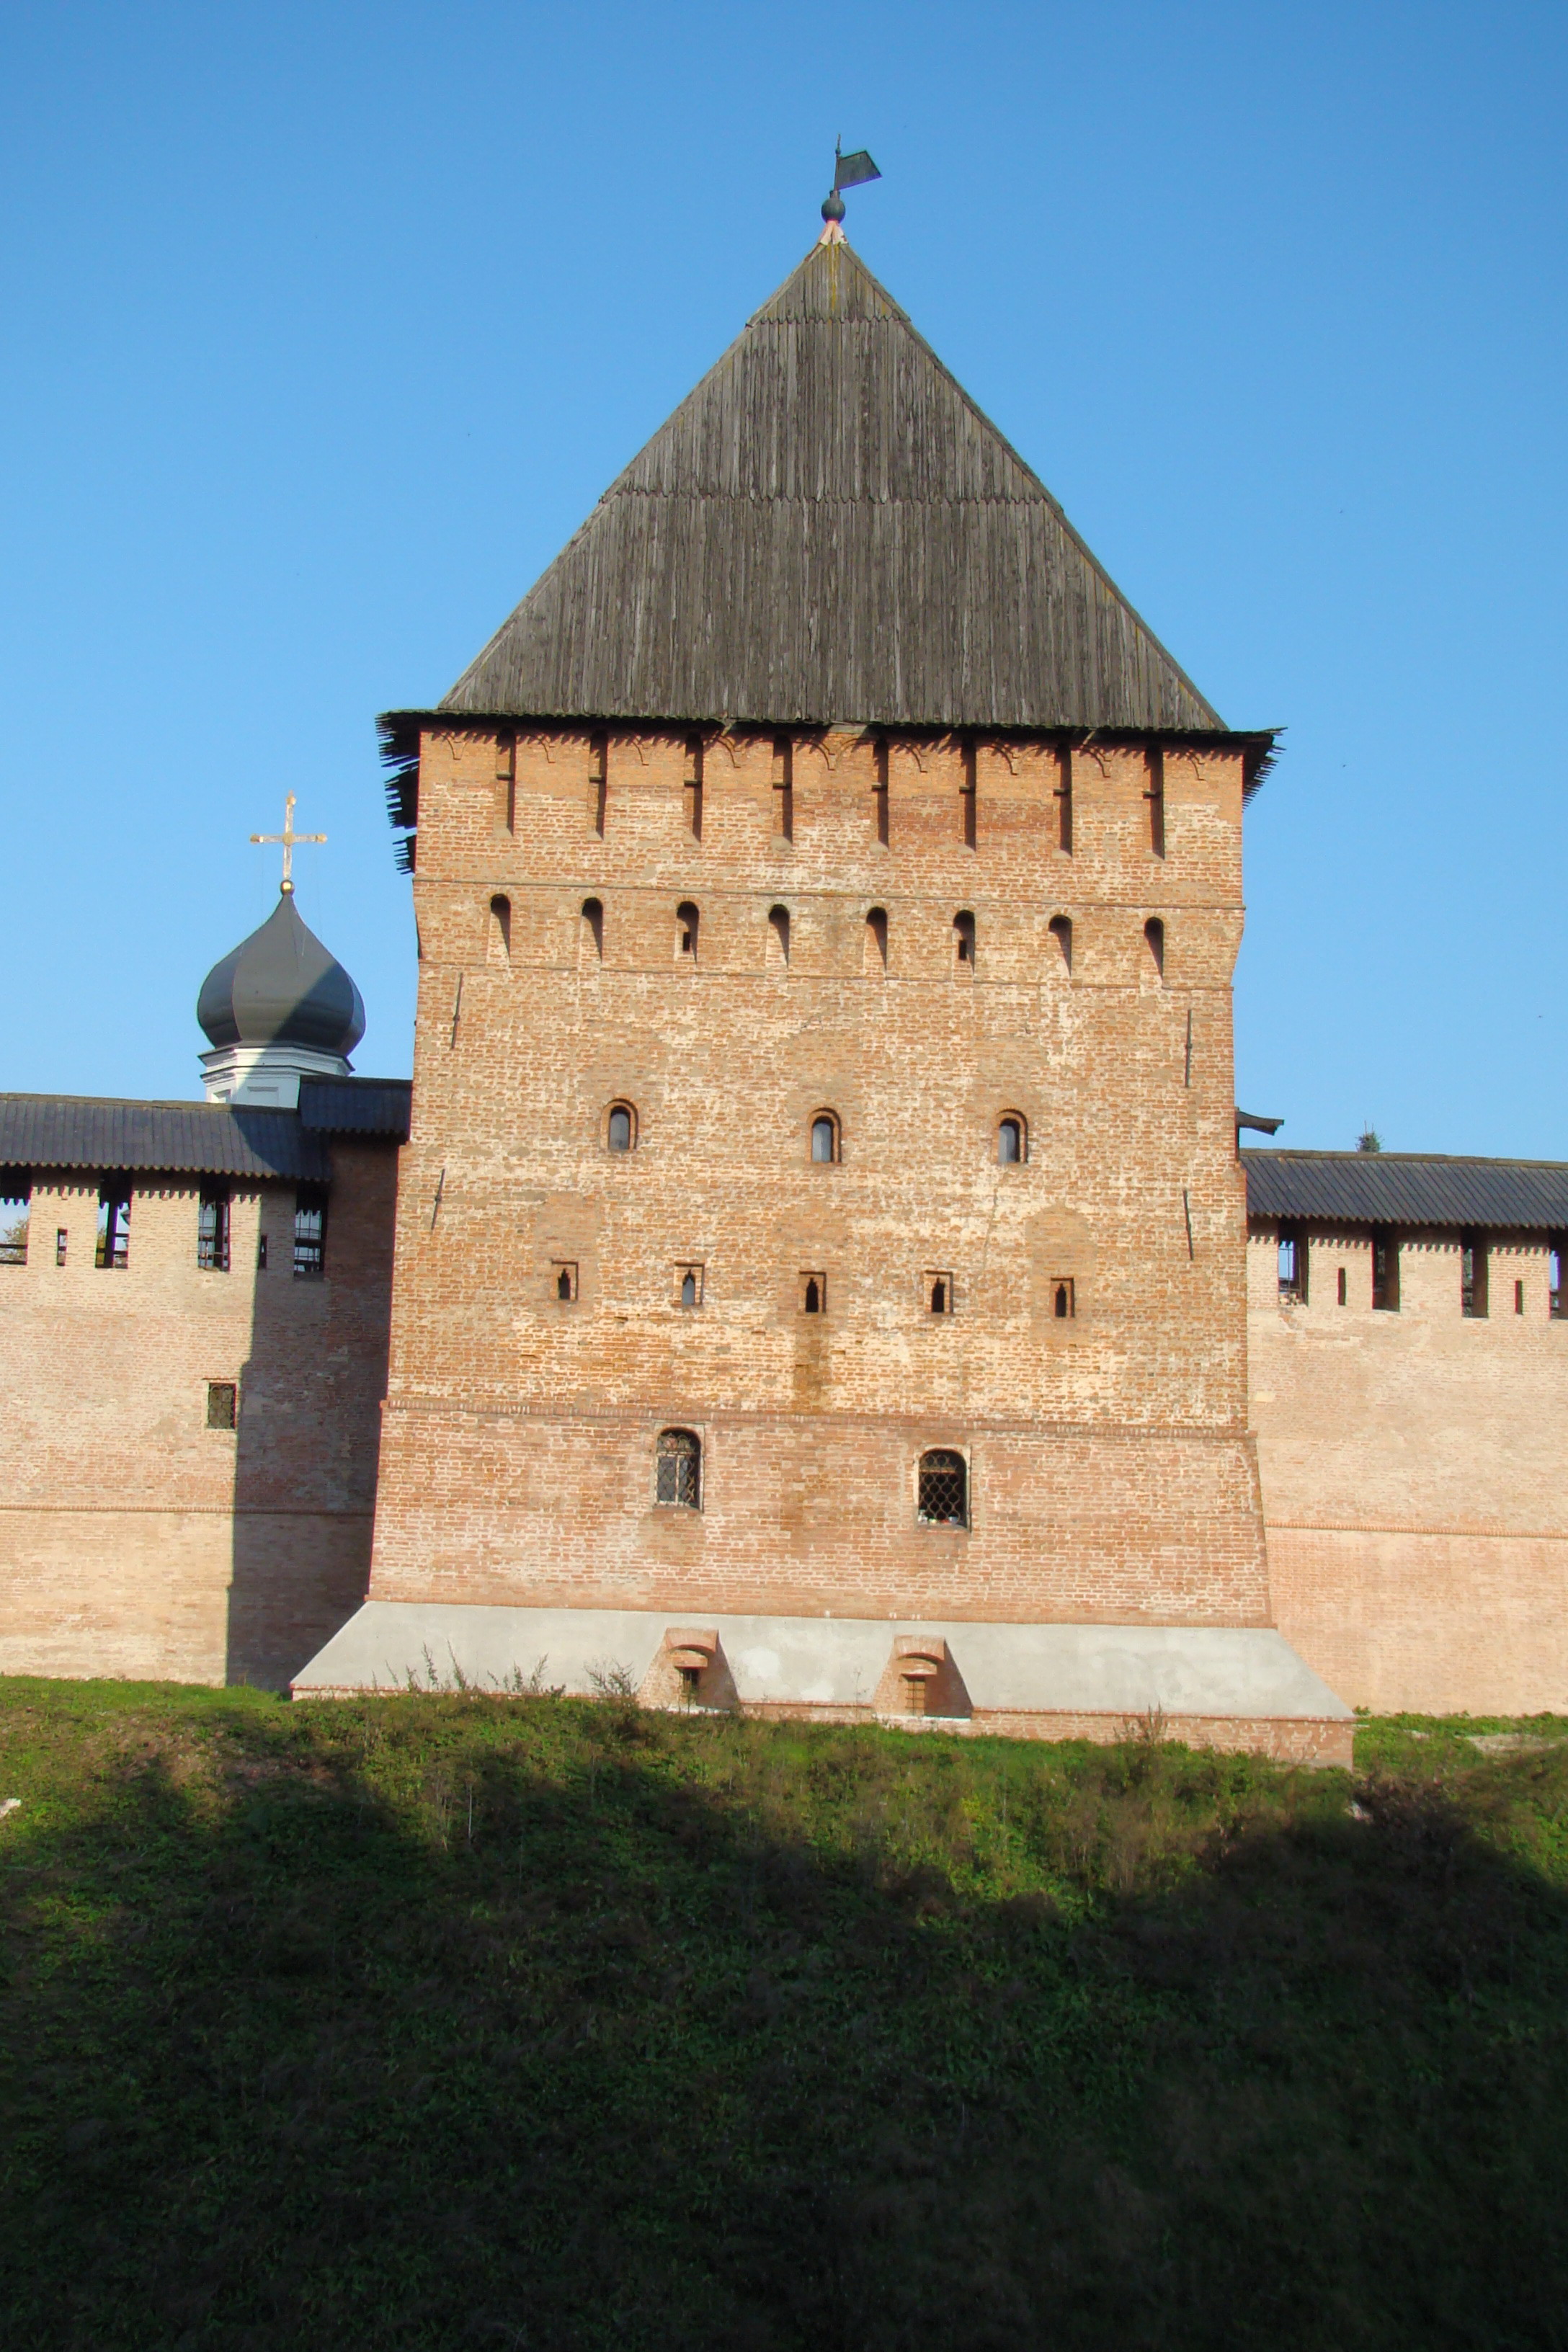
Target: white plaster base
(1239, 1687)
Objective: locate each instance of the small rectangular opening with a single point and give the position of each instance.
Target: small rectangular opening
(688, 1285)
(15, 1215)
(1064, 799)
(937, 1288)
(1343, 1286)
(598, 783)
(1556, 1296)
(1155, 796)
(61, 1238)
(223, 1404)
(1473, 1272)
(506, 783)
(969, 796)
(113, 1244)
(563, 1280)
(813, 1293)
(212, 1230)
(879, 792)
(1064, 1299)
(1519, 1298)
(784, 789)
(692, 790)
(309, 1232)
(1384, 1270)
(1293, 1265)
(261, 1254)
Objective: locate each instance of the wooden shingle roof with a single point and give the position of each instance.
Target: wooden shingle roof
(828, 529)
(1407, 1188)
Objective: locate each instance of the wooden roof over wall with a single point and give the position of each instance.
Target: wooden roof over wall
(827, 530)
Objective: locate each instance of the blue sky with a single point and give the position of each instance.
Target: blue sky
(323, 327)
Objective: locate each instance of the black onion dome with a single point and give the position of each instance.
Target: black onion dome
(280, 987)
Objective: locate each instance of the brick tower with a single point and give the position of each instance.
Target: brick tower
(820, 1271)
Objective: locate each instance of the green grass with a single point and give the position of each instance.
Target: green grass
(435, 2021)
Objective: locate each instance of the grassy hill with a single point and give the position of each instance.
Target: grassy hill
(445, 2022)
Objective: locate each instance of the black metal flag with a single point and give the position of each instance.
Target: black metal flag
(850, 170)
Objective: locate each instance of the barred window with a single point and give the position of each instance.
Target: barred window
(679, 1478)
(309, 1232)
(212, 1231)
(943, 1490)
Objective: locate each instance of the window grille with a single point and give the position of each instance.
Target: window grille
(223, 1404)
(309, 1234)
(1010, 1142)
(943, 1490)
(621, 1133)
(14, 1219)
(113, 1248)
(212, 1233)
(679, 1476)
(824, 1136)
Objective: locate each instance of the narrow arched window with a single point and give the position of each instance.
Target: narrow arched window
(1012, 1141)
(686, 920)
(943, 1490)
(1154, 936)
(498, 945)
(592, 938)
(825, 1136)
(677, 1476)
(689, 1288)
(778, 938)
(963, 942)
(1061, 931)
(875, 956)
(811, 1297)
(621, 1128)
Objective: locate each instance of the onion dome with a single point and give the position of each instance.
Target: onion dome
(281, 987)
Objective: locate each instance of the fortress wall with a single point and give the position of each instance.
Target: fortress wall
(1412, 1467)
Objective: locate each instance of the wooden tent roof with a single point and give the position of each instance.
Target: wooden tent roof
(828, 529)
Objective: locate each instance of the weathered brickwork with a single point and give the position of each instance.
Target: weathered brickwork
(134, 1538)
(730, 939)
(1413, 1472)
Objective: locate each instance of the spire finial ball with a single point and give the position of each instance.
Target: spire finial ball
(832, 206)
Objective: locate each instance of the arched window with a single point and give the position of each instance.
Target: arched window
(778, 938)
(943, 1490)
(592, 938)
(686, 920)
(875, 956)
(689, 1287)
(1061, 931)
(814, 1295)
(939, 1293)
(963, 942)
(621, 1128)
(497, 944)
(1012, 1139)
(678, 1471)
(1155, 935)
(825, 1136)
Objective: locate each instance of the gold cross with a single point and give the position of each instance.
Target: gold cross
(286, 840)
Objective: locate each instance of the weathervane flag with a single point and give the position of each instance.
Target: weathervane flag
(850, 170)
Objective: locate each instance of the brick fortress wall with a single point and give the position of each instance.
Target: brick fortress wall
(135, 1540)
(1412, 1470)
(1111, 1474)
